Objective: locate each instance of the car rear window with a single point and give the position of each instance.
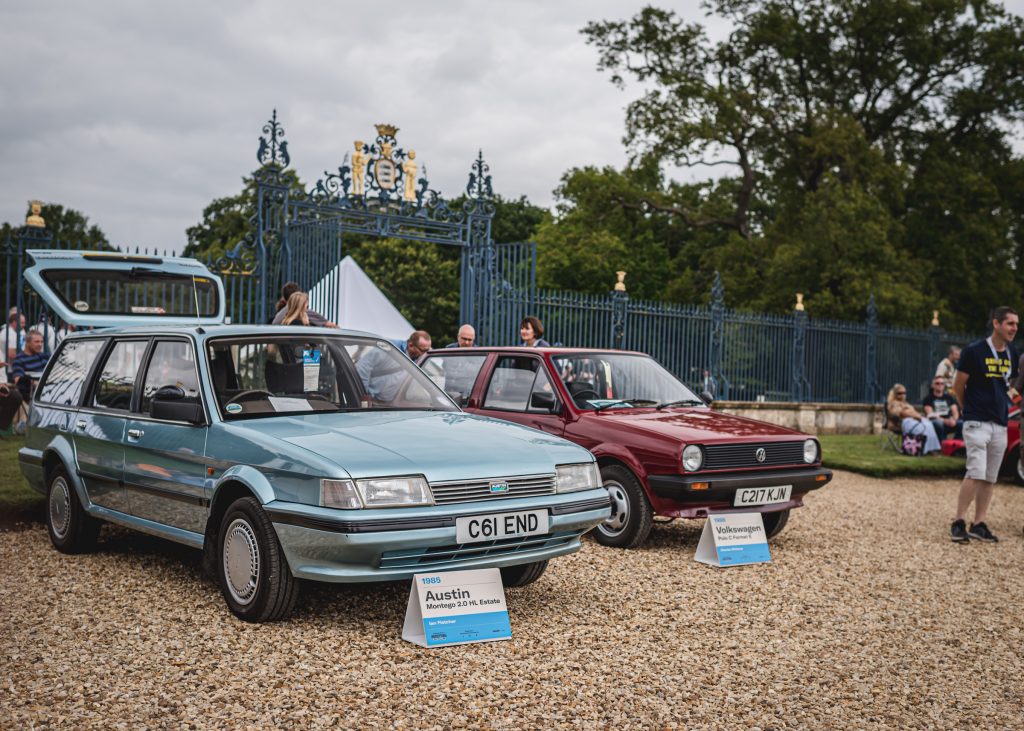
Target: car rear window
(63, 384)
(140, 290)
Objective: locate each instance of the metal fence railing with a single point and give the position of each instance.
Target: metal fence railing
(749, 356)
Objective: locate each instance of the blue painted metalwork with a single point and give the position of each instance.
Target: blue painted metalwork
(620, 311)
(872, 391)
(801, 386)
(717, 335)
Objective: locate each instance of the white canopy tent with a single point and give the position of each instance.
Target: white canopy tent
(349, 298)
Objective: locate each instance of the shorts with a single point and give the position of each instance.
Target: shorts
(986, 445)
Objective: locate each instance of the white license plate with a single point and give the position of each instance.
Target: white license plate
(476, 528)
(762, 495)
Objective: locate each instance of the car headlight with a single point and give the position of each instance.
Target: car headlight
(693, 458)
(573, 477)
(810, 451)
(339, 494)
(389, 492)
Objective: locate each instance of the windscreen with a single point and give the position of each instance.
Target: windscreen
(620, 380)
(139, 290)
(273, 375)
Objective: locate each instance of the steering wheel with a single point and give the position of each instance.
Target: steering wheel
(249, 396)
(585, 395)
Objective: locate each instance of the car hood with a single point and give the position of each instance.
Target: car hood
(698, 425)
(441, 446)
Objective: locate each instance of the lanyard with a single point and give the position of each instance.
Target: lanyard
(1006, 376)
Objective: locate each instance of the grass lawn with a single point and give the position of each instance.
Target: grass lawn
(863, 453)
(17, 499)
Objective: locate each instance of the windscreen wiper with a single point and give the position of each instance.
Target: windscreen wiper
(620, 401)
(680, 402)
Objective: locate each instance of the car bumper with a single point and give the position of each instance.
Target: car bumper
(356, 546)
(722, 486)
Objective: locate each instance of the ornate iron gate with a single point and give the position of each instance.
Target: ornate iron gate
(379, 190)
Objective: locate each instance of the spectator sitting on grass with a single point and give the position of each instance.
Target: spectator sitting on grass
(911, 420)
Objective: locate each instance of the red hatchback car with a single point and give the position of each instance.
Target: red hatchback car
(661, 450)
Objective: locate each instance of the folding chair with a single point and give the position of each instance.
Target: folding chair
(892, 431)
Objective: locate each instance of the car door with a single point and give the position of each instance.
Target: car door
(455, 373)
(56, 410)
(100, 423)
(165, 469)
(514, 382)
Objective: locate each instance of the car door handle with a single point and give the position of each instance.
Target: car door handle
(135, 433)
(80, 424)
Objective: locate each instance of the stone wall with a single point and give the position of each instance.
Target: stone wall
(811, 418)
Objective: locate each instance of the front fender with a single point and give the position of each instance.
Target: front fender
(249, 476)
(621, 454)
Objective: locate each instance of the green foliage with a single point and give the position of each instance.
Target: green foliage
(420, 279)
(228, 221)
(68, 226)
(857, 148)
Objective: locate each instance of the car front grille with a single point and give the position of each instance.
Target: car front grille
(734, 456)
(466, 491)
(458, 552)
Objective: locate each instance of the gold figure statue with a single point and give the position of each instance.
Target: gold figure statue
(358, 168)
(34, 219)
(620, 286)
(935, 318)
(409, 170)
(799, 302)
(385, 150)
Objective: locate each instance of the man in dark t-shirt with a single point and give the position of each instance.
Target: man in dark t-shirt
(941, 407)
(982, 385)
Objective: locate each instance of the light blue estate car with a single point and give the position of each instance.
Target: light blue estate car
(285, 453)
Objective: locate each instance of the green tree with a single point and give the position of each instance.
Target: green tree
(68, 227)
(420, 279)
(229, 220)
(822, 112)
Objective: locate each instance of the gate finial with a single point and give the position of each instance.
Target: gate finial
(479, 185)
(273, 149)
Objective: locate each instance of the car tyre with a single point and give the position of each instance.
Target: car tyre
(1013, 467)
(632, 517)
(775, 522)
(523, 574)
(251, 568)
(71, 529)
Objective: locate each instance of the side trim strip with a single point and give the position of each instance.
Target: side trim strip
(167, 494)
(30, 459)
(147, 489)
(86, 475)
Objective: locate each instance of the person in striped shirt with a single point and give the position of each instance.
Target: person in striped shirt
(29, 363)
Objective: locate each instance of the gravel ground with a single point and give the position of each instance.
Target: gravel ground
(867, 617)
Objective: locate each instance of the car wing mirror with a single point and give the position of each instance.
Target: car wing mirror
(170, 404)
(706, 397)
(542, 400)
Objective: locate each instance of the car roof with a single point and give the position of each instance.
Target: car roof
(218, 331)
(550, 350)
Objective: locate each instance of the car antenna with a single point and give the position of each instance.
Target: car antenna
(195, 294)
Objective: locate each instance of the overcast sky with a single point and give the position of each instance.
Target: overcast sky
(139, 114)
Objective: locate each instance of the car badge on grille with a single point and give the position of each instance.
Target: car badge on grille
(760, 455)
(499, 487)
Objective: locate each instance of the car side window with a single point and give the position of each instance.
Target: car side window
(64, 382)
(116, 381)
(514, 380)
(455, 374)
(173, 363)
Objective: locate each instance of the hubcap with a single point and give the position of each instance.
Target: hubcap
(620, 510)
(60, 507)
(241, 561)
